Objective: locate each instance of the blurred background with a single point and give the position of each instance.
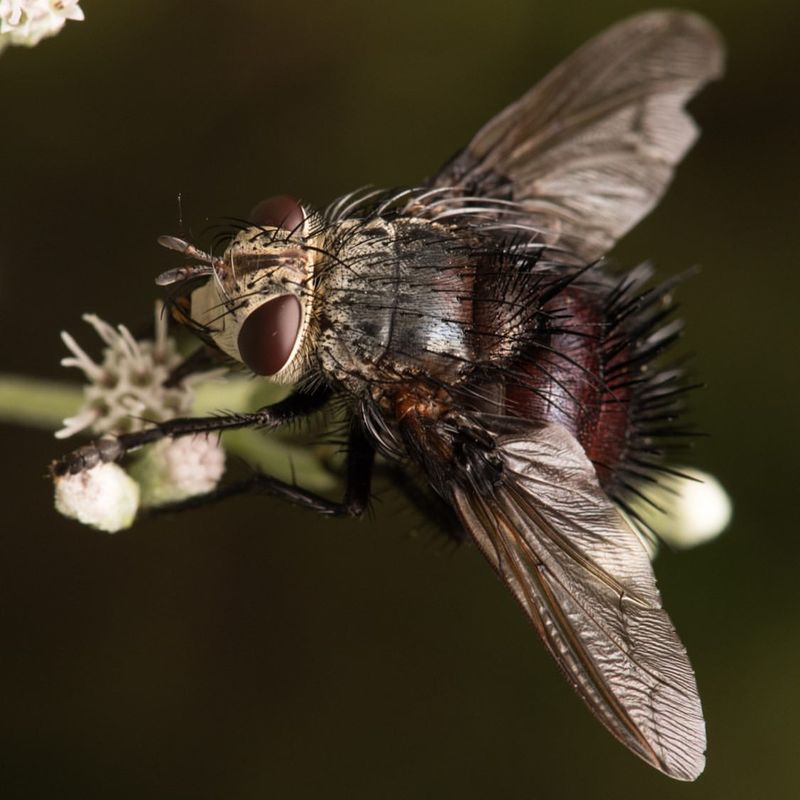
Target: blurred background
(251, 650)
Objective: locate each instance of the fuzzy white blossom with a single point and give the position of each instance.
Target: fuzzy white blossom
(27, 22)
(175, 469)
(104, 497)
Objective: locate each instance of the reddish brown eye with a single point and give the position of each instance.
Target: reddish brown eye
(268, 335)
(281, 211)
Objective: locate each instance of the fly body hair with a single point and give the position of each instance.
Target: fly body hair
(640, 329)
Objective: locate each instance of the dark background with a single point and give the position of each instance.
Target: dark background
(251, 651)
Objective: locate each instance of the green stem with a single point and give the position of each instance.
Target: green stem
(36, 402)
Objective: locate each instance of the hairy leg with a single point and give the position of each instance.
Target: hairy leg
(297, 405)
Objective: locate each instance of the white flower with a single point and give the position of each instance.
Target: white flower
(175, 469)
(27, 22)
(105, 497)
(694, 509)
(125, 391)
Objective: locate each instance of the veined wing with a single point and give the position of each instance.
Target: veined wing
(589, 151)
(584, 579)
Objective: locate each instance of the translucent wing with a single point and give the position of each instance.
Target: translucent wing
(589, 151)
(584, 579)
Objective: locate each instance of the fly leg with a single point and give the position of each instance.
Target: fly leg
(297, 405)
(360, 462)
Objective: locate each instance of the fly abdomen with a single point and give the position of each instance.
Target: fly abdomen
(590, 369)
(560, 376)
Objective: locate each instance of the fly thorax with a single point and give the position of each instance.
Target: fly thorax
(395, 303)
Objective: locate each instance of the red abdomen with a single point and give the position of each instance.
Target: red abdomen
(575, 374)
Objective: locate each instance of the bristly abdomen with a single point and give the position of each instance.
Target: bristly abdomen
(592, 367)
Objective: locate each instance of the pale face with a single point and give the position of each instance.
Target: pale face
(257, 304)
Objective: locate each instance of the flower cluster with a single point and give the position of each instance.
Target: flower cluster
(127, 391)
(27, 22)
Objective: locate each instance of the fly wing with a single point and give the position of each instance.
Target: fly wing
(589, 151)
(584, 578)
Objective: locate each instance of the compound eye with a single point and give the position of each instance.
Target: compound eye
(281, 211)
(269, 334)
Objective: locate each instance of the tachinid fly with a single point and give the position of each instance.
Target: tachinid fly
(476, 336)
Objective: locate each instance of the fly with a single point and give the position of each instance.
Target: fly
(475, 334)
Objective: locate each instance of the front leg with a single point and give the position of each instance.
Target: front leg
(298, 404)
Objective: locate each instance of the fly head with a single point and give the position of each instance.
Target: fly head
(255, 302)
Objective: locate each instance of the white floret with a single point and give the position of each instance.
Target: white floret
(175, 469)
(105, 497)
(27, 22)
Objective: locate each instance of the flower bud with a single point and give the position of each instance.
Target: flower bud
(104, 497)
(175, 469)
(691, 509)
